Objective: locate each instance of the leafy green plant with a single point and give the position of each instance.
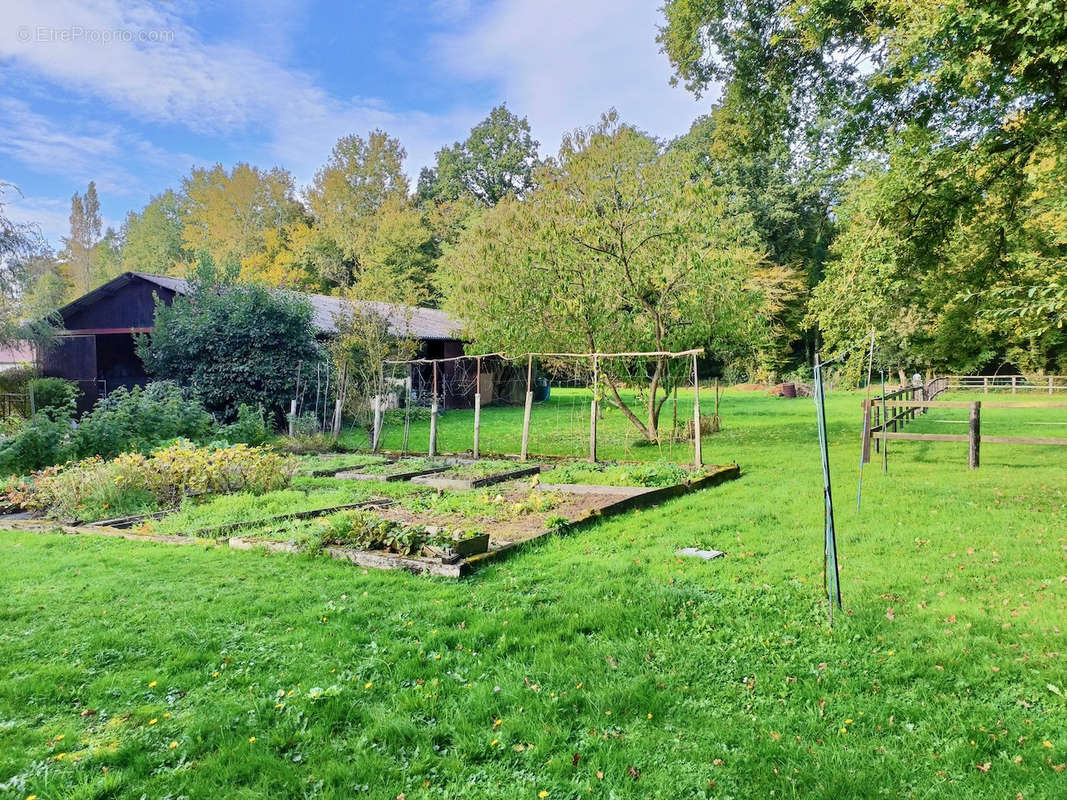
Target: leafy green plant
(367, 531)
(232, 344)
(55, 396)
(140, 419)
(659, 473)
(133, 482)
(184, 469)
(40, 442)
(250, 427)
(84, 490)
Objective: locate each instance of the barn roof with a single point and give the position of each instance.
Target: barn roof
(408, 321)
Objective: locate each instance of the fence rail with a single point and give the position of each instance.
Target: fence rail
(1007, 383)
(906, 407)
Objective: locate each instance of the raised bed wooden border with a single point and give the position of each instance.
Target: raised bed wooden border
(474, 483)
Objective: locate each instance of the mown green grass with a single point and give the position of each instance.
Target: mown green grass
(583, 656)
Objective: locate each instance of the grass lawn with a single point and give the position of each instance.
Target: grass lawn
(591, 665)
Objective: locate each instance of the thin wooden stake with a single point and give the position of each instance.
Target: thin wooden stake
(529, 408)
(698, 455)
(885, 430)
(593, 410)
(407, 413)
(339, 402)
(433, 415)
(478, 407)
(974, 438)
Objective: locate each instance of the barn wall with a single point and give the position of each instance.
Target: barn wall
(131, 306)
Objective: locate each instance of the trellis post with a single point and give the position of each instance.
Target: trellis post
(407, 412)
(593, 415)
(698, 456)
(477, 406)
(379, 399)
(433, 414)
(529, 407)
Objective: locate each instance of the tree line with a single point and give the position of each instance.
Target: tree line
(886, 166)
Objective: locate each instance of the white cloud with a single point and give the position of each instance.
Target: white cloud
(224, 88)
(559, 62)
(562, 63)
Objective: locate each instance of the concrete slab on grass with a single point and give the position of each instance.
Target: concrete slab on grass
(694, 552)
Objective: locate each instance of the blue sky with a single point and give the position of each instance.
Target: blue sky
(133, 93)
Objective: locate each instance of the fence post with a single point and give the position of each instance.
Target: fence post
(698, 454)
(1050, 384)
(478, 408)
(974, 435)
(985, 384)
(433, 415)
(593, 415)
(292, 416)
(1013, 384)
(866, 443)
(529, 408)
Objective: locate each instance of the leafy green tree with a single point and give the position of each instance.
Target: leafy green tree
(497, 159)
(358, 179)
(786, 209)
(943, 118)
(227, 214)
(24, 259)
(79, 247)
(619, 250)
(232, 343)
(152, 238)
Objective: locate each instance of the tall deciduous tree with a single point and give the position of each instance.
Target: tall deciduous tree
(79, 256)
(620, 249)
(152, 238)
(358, 179)
(24, 259)
(954, 116)
(227, 214)
(497, 159)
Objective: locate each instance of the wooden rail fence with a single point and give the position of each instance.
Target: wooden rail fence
(1007, 383)
(906, 408)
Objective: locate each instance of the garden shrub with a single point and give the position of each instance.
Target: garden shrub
(232, 343)
(40, 442)
(184, 469)
(251, 427)
(140, 419)
(84, 490)
(132, 483)
(55, 396)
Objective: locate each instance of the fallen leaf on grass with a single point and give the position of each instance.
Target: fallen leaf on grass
(889, 615)
(983, 767)
(599, 775)
(633, 771)
(575, 759)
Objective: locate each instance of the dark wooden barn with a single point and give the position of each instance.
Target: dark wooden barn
(96, 348)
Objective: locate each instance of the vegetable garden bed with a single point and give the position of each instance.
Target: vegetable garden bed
(402, 470)
(415, 532)
(475, 475)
